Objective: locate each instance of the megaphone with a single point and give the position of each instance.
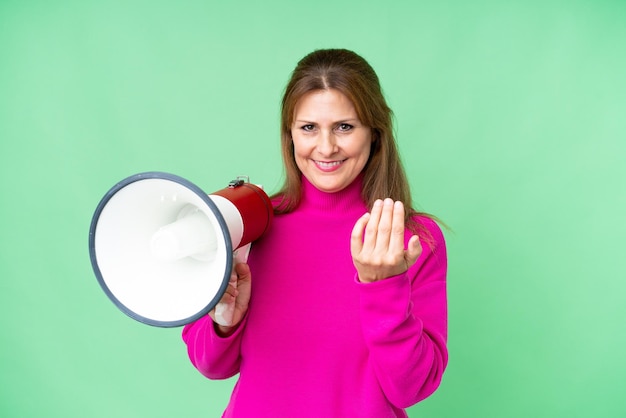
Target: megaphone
(162, 249)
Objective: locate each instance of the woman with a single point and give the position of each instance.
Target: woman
(341, 310)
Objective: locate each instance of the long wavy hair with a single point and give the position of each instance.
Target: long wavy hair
(349, 73)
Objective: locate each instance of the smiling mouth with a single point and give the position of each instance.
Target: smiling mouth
(329, 164)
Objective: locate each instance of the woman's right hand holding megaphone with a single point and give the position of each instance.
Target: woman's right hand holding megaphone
(231, 309)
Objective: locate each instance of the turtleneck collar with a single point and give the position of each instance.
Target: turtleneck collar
(345, 200)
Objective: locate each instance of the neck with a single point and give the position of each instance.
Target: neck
(345, 200)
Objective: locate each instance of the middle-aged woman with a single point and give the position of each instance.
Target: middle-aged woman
(341, 309)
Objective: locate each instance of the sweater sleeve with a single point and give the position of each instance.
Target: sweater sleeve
(404, 321)
(214, 356)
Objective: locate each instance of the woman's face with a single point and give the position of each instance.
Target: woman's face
(331, 146)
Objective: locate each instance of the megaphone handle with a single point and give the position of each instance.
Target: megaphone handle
(224, 311)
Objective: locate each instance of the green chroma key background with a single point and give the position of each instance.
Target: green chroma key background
(511, 120)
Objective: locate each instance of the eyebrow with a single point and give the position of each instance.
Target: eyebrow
(347, 120)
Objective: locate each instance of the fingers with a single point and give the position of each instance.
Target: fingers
(377, 242)
(385, 229)
(356, 237)
(371, 229)
(242, 271)
(396, 238)
(385, 221)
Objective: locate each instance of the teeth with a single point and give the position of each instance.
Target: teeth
(328, 165)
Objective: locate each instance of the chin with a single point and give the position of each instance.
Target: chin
(330, 188)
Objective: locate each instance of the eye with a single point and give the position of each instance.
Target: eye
(308, 128)
(344, 127)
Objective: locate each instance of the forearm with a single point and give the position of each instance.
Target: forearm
(408, 352)
(215, 354)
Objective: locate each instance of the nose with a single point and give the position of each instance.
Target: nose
(326, 143)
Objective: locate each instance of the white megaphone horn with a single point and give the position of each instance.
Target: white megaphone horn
(162, 249)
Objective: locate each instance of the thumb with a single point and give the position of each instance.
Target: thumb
(413, 251)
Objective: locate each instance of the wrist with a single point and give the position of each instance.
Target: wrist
(223, 331)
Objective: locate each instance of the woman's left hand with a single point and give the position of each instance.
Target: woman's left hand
(377, 243)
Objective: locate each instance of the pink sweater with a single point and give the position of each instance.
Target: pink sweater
(316, 342)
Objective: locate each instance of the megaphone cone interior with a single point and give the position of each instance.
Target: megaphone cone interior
(162, 249)
(191, 235)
